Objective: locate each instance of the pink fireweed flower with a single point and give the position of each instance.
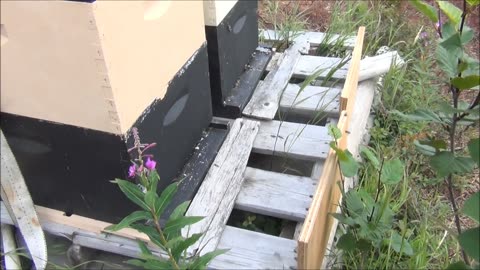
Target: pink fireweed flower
(131, 171)
(150, 164)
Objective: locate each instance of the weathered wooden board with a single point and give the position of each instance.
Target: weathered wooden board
(265, 99)
(313, 237)
(253, 250)
(358, 127)
(294, 140)
(310, 100)
(351, 81)
(216, 196)
(276, 194)
(314, 38)
(370, 67)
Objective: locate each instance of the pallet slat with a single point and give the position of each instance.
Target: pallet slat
(315, 38)
(294, 140)
(253, 250)
(310, 100)
(276, 194)
(351, 81)
(370, 67)
(265, 99)
(216, 196)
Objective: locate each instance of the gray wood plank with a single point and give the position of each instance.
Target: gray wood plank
(310, 101)
(315, 38)
(275, 194)
(294, 140)
(265, 99)
(216, 196)
(370, 67)
(253, 250)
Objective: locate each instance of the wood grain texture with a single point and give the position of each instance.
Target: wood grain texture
(275, 194)
(253, 250)
(294, 140)
(314, 235)
(265, 99)
(216, 196)
(351, 81)
(358, 127)
(310, 101)
(314, 38)
(370, 67)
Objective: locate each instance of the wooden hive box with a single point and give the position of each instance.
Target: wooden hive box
(231, 28)
(77, 77)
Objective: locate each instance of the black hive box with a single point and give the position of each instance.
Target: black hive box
(231, 28)
(77, 77)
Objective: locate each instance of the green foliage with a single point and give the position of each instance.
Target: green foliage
(392, 172)
(463, 76)
(169, 238)
(471, 209)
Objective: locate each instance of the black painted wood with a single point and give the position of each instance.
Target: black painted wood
(230, 46)
(246, 84)
(69, 168)
(196, 168)
(177, 121)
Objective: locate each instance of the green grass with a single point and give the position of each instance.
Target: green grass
(420, 208)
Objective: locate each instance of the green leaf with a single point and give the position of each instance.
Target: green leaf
(467, 35)
(370, 155)
(447, 61)
(151, 198)
(144, 248)
(401, 245)
(424, 148)
(445, 163)
(430, 147)
(392, 171)
(426, 9)
(347, 242)
(354, 203)
(128, 220)
(348, 164)
(179, 211)
(343, 219)
(165, 198)
(157, 264)
(135, 262)
(474, 150)
(420, 115)
(151, 232)
(132, 192)
(471, 207)
(183, 245)
(473, 2)
(364, 245)
(453, 45)
(460, 265)
(202, 262)
(176, 225)
(334, 131)
(467, 82)
(153, 179)
(453, 13)
(470, 242)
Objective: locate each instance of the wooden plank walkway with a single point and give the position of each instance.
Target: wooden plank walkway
(216, 196)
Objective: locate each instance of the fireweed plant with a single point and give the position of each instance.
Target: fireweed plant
(169, 239)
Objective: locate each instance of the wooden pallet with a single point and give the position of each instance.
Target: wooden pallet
(231, 184)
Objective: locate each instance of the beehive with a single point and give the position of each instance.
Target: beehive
(232, 35)
(77, 77)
